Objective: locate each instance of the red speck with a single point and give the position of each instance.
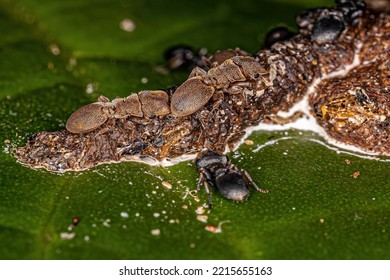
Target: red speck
(75, 221)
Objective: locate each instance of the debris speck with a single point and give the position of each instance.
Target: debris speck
(75, 221)
(202, 218)
(192, 245)
(106, 222)
(124, 215)
(90, 88)
(67, 235)
(200, 210)
(54, 49)
(161, 70)
(322, 220)
(185, 207)
(215, 229)
(156, 215)
(127, 25)
(167, 185)
(144, 80)
(212, 228)
(347, 161)
(7, 141)
(356, 174)
(197, 199)
(86, 238)
(72, 61)
(248, 142)
(155, 231)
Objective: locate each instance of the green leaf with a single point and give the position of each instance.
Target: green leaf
(60, 55)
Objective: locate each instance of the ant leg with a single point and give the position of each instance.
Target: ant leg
(250, 180)
(207, 188)
(203, 179)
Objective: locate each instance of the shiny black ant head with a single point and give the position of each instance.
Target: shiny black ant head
(327, 29)
(324, 25)
(277, 34)
(211, 160)
(232, 186)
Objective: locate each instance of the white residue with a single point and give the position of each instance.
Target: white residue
(124, 215)
(127, 25)
(107, 222)
(54, 49)
(67, 235)
(91, 88)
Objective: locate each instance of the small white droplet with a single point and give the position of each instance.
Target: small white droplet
(54, 49)
(124, 215)
(200, 210)
(106, 223)
(202, 218)
(127, 25)
(67, 235)
(90, 89)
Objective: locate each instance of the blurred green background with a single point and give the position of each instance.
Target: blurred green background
(56, 56)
